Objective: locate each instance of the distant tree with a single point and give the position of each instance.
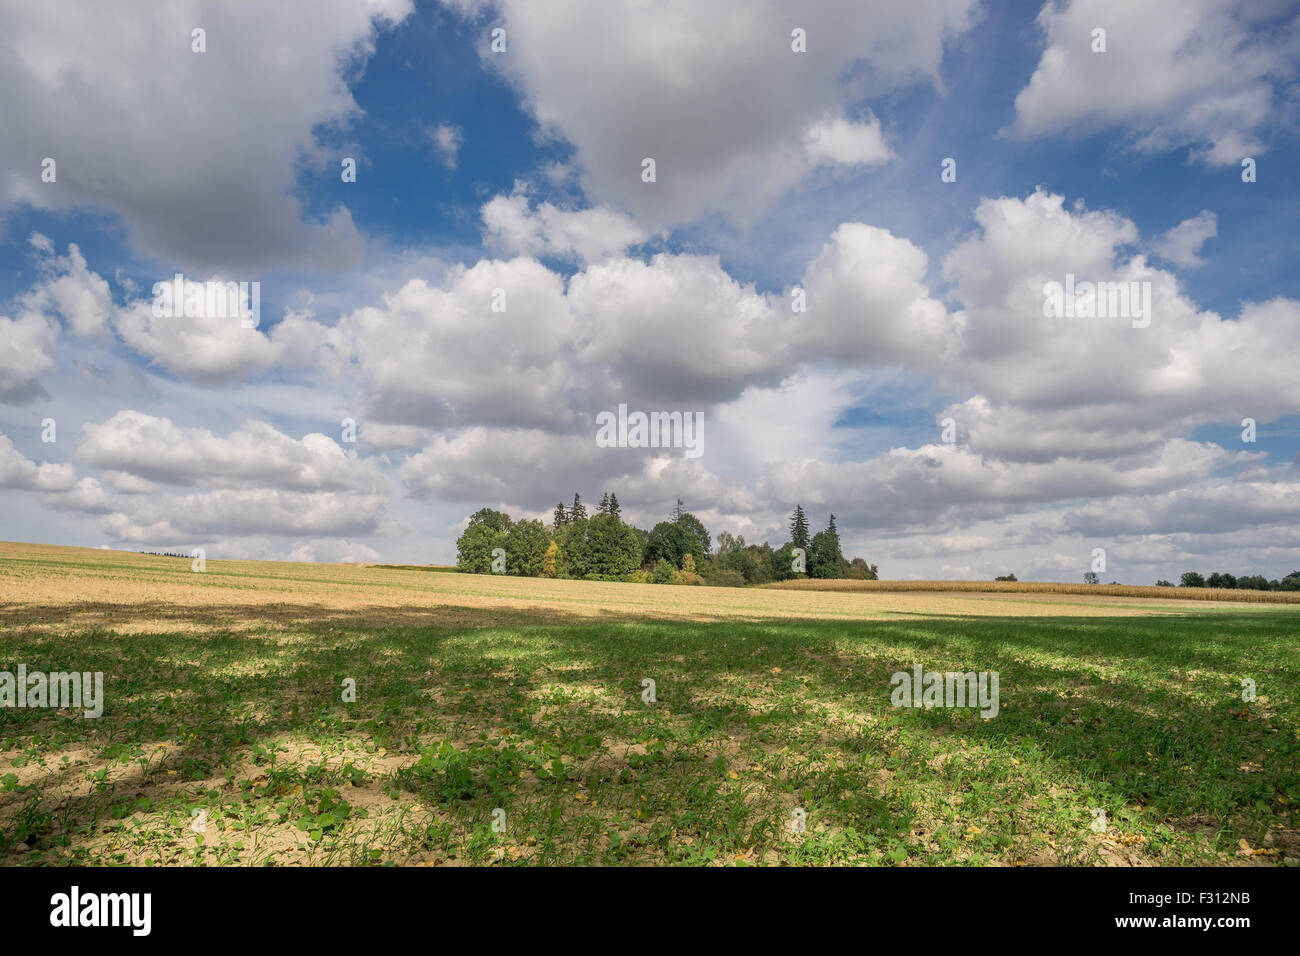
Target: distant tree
(1247, 582)
(1164, 584)
(824, 558)
(783, 563)
(670, 541)
(688, 574)
(577, 544)
(694, 526)
(739, 559)
(574, 557)
(486, 531)
(526, 544)
(1005, 577)
(1090, 577)
(799, 528)
(860, 570)
(642, 537)
(614, 549)
(728, 542)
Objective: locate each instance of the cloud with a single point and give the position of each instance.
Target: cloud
(69, 289)
(940, 545)
(215, 190)
(446, 143)
(334, 551)
(128, 483)
(388, 437)
(528, 471)
(1014, 433)
(1099, 376)
(506, 465)
(868, 304)
(87, 496)
(514, 227)
(235, 512)
(1181, 245)
(65, 288)
(1205, 74)
(942, 486)
(27, 346)
(20, 472)
(156, 449)
(437, 356)
(253, 483)
(623, 81)
(207, 349)
(1216, 508)
(677, 330)
(842, 142)
(511, 343)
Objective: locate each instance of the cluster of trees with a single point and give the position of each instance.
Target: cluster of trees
(678, 550)
(1249, 582)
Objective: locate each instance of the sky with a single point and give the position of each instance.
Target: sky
(841, 263)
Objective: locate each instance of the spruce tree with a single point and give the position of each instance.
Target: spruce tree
(830, 528)
(613, 506)
(579, 511)
(561, 519)
(604, 503)
(799, 528)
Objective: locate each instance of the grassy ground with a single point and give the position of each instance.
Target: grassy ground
(224, 699)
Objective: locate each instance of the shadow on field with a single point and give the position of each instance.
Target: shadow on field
(1150, 708)
(160, 616)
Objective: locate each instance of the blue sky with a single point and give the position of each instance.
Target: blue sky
(776, 169)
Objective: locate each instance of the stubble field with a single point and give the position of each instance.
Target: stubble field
(506, 721)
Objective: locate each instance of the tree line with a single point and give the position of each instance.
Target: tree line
(600, 546)
(1247, 582)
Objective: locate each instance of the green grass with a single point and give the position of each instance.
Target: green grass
(543, 718)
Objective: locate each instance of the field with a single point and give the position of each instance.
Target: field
(502, 721)
(1233, 595)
